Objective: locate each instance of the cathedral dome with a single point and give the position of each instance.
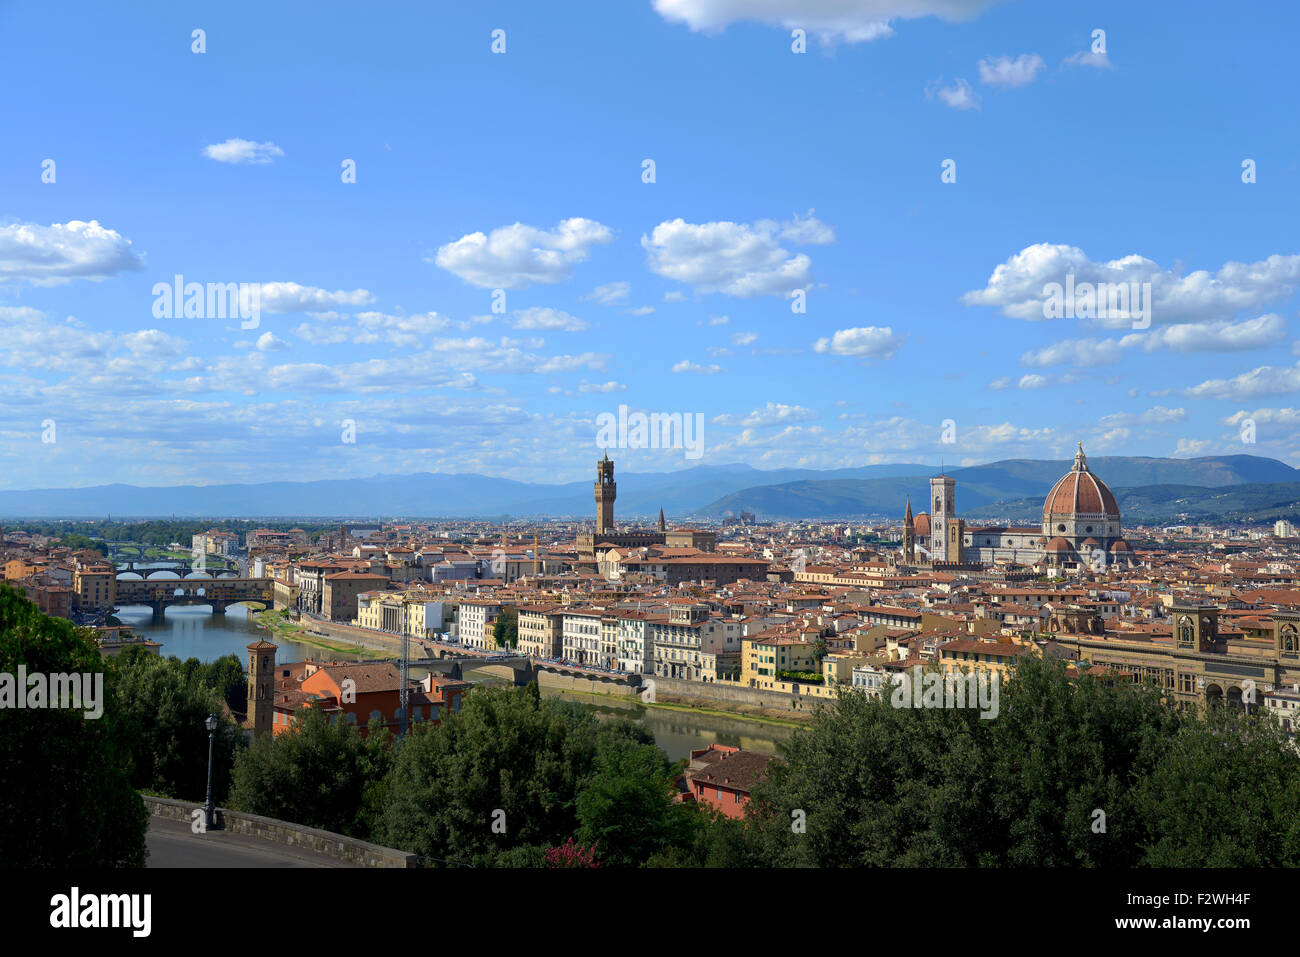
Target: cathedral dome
(922, 524)
(1079, 492)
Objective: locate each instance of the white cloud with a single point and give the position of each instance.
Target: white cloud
(774, 413)
(853, 21)
(997, 385)
(1221, 336)
(154, 344)
(734, 258)
(518, 256)
(610, 294)
(805, 230)
(640, 311)
(1192, 447)
(675, 295)
(1287, 417)
(1099, 61)
(1261, 381)
(610, 386)
(47, 255)
(1017, 285)
(1032, 381)
(269, 342)
(243, 151)
(744, 338)
(868, 342)
(282, 297)
(1161, 414)
(1004, 71)
(959, 94)
(546, 319)
(687, 366)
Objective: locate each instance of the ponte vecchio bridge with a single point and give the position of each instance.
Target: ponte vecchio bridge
(158, 593)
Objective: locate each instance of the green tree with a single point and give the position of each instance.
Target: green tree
(165, 702)
(501, 774)
(625, 805)
(318, 774)
(65, 796)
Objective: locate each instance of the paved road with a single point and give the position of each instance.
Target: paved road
(171, 844)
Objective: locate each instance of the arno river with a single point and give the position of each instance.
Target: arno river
(192, 631)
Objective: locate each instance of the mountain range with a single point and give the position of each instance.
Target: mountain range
(1008, 488)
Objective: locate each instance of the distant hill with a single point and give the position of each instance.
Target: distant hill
(704, 490)
(1017, 486)
(423, 494)
(1171, 504)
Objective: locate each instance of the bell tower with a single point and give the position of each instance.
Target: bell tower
(943, 494)
(261, 686)
(606, 491)
(909, 534)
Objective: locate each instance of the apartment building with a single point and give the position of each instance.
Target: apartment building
(541, 630)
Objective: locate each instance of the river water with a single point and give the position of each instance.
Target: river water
(192, 631)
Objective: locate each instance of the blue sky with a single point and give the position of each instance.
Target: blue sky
(523, 171)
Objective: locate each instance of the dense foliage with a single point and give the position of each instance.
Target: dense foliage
(1072, 772)
(164, 704)
(66, 798)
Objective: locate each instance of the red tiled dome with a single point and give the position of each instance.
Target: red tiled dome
(922, 524)
(1058, 544)
(1080, 492)
(1119, 545)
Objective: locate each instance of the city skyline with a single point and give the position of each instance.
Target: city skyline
(376, 348)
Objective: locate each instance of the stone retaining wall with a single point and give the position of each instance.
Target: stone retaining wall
(333, 845)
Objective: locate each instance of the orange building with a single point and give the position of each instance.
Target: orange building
(722, 777)
(356, 692)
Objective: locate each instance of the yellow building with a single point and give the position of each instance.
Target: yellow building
(968, 654)
(761, 659)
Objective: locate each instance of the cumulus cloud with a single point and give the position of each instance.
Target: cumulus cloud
(744, 338)
(687, 365)
(1260, 381)
(737, 259)
(866, 342)
(1004, 71)
(1017, 286)
(243, 152)
(1222, 336)
(852, 21)
(519, 256)
(546, 319)
(47, 255)
(959, 94)
(774, 413)
(282, 297)
(610, 386)
(269, 342)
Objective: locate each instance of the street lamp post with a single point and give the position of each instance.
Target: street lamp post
(211, 724)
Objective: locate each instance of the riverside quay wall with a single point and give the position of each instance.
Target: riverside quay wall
(731, 697)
